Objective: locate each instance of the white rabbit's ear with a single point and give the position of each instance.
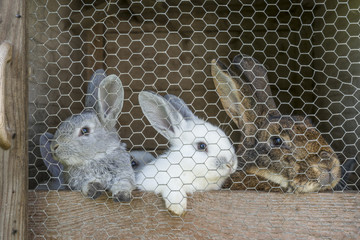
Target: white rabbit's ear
(160, 113)
(93, 89)
(180, 106)
(54, 167)
(111, 99)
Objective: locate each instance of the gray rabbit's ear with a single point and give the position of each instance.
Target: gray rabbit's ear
(160, 113)
(111, 99)
(228, 89)
(93, 89)
(256, 74)
(54, 167)
(180, 106)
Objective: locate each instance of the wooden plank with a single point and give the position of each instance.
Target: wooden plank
(211, 215)
(14, 162)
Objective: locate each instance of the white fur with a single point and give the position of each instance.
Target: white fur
(184, 169)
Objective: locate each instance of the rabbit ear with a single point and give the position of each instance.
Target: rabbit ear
(160, 113)
(140, 159)
(180, 106)
(348, 167)
(54, 167)
(229, 92)
(256, 74)
(93, 89)
(111, 99)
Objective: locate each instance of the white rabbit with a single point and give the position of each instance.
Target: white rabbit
(88, 146)
(200, 158)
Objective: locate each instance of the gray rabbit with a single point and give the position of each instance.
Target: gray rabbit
(88, 146)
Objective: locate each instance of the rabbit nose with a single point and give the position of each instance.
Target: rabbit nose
(56, 146)
(326, 178)
(228, 164)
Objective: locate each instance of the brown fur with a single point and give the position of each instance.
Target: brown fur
(304, 162)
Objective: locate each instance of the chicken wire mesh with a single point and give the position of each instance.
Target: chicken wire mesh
(300, 125)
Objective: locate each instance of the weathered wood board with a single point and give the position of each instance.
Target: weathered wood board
(14, 161)
(211, 215)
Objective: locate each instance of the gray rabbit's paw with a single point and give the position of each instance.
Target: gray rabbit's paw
(95, 189)
(122, 196)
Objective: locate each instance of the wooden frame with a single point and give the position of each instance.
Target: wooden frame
(212, 215)
(216, 215)
(14, 162)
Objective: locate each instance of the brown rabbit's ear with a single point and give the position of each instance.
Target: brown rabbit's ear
(228, 91)
(256, 74)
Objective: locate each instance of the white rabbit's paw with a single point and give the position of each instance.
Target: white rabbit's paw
(177, 209)
(95, 189)
(122, 196)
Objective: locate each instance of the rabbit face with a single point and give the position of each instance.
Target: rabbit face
(80, 138)
(297, 156)
(203, 149)
(285, 150)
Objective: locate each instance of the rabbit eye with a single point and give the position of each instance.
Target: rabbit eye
(133, 163)
(325, 155)
(202, 146)
(276, 141)
(85, 131)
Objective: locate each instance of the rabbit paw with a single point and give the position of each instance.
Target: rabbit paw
(177, 209)
(95, 189)
(122, 196)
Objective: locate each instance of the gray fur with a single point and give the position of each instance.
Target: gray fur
(111, 99)
(93, 89)
(54, 167)
(140, 159)
(97, 160)
(180, 106)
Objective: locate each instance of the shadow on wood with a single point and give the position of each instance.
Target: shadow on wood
(211, 215)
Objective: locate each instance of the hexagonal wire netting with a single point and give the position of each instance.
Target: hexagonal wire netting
(310, 50)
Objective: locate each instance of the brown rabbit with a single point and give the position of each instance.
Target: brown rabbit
(275, 152)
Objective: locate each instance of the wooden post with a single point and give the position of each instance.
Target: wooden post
(14, 161)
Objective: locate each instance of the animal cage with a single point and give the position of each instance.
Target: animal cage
(279, 79)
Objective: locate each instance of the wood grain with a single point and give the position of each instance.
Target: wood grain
(5, 57)
(211, 215)
(14, 162)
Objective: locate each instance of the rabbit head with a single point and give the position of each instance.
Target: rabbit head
(285, 150)
(83, 136)
(195, 145)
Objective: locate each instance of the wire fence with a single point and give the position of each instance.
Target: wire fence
(278, 80)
